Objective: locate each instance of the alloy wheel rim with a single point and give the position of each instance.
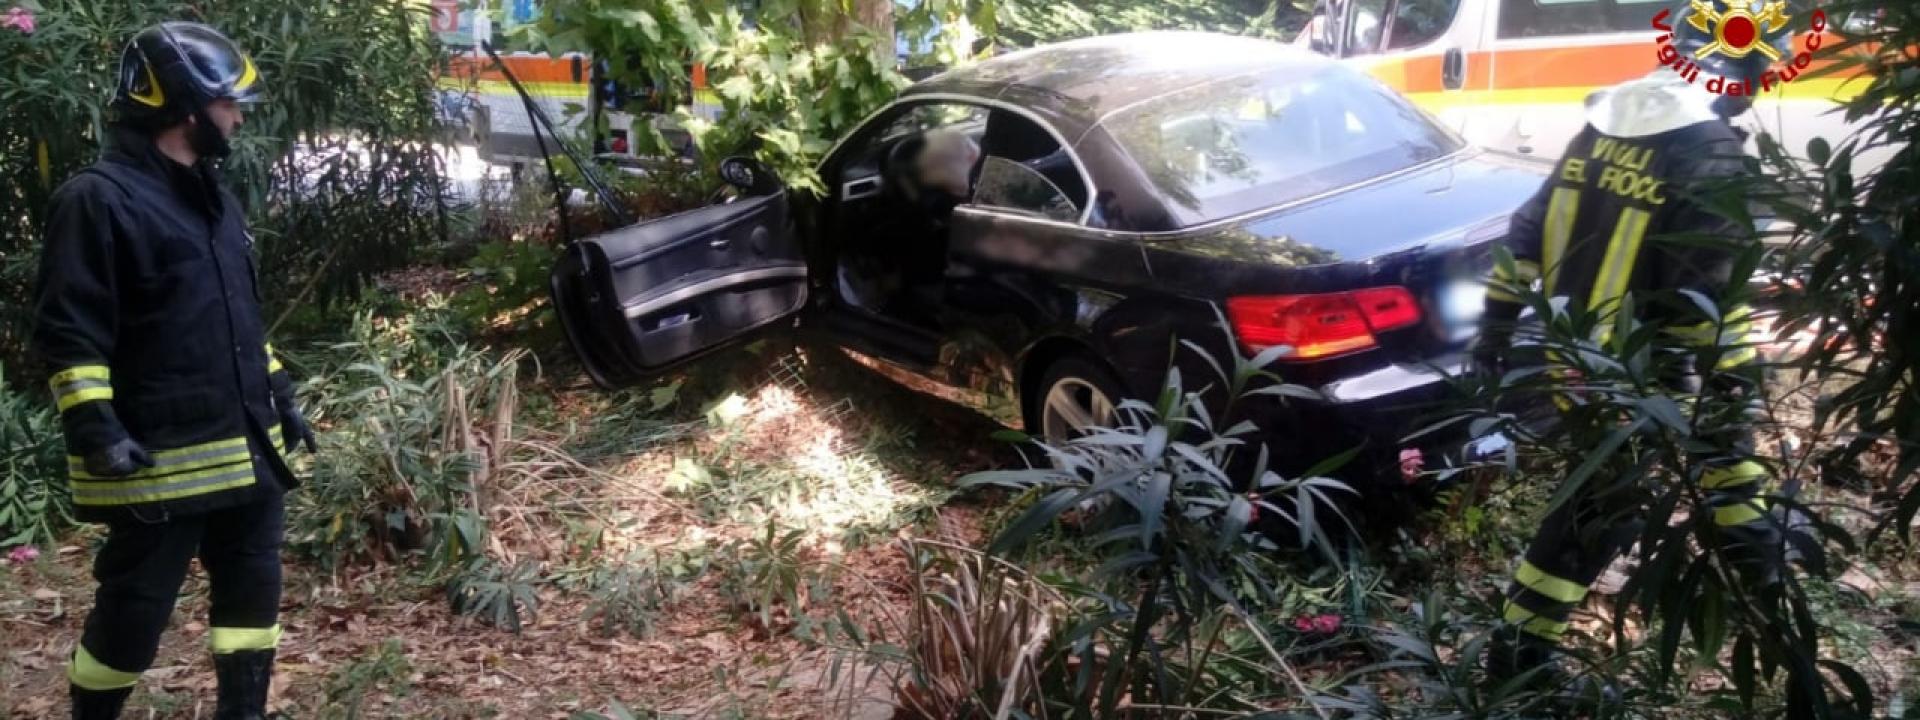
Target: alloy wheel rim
(1070, 407)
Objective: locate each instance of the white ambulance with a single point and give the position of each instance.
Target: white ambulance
(1514, 74)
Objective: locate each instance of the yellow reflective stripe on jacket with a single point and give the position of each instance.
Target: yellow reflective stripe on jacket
(171, 487)
(1502, 286)
(1559, 589)
(1534, 623)
(165, 462)
(231, 640)
(1744, 512)
(1735, 325)
(1710, 334)
(1736, 358)
(273, 361)
(91, 674)
(81, 383)
(1617, 269)
(1558, 231)
(1739, 473)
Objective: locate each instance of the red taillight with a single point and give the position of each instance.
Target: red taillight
(1319, 326)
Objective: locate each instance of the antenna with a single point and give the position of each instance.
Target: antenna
(540, 122)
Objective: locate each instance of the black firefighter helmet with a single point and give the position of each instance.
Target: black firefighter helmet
(175, 69)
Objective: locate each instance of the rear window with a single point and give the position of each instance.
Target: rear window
(1242, 144)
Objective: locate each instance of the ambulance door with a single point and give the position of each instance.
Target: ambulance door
(1423, 48)
(1548, 55)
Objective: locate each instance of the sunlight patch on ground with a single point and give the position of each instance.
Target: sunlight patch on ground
(779, 454)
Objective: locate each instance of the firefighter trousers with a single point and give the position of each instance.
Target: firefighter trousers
(141, 568)
(1578, 540)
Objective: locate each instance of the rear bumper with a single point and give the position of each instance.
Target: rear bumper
(1375, 411)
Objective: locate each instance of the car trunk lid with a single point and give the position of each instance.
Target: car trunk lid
(1430, 230)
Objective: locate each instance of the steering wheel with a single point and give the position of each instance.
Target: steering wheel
(896, 170)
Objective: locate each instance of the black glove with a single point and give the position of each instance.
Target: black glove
(1490, 354)
(118, 459)
(293, 427)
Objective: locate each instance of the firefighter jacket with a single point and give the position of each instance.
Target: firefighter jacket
(1626, 210)
(148, 311)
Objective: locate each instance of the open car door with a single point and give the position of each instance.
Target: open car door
(648, 297)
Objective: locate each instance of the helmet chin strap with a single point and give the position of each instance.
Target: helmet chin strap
(206, 138)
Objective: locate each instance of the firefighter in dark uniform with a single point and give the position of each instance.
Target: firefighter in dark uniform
(1605, 226)
(177, 415)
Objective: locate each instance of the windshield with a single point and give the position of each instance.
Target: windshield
(1242, 144)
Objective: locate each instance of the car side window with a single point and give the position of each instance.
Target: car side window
(1013, 139)
(1010, 185)
(865, 153)
(933, 116)
(1551, 18)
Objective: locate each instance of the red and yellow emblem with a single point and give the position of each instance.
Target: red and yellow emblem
(1739, 30)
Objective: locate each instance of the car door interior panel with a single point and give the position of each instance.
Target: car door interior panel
(647, 297)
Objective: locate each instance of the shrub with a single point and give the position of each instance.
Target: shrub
(1183, 560)
(768, 570)
(628, 596)
(384, 669)
(407, 411)
(499, 594)
(978, 629)
(508, 291)
(34, 503)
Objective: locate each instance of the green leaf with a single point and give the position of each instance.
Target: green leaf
(1123, 566)
(1234, 522)
(1597, 457)
(1743, 676)
(1859, 690)
(1153, 508)
(1042, 514)
(1327, 466)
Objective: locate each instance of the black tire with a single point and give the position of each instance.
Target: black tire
(1089, 374)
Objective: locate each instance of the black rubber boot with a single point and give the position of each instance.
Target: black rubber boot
(97, 704)
(1513, 653)
(244, 679)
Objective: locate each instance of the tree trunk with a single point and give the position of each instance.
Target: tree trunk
(876, 15)
(828, 25)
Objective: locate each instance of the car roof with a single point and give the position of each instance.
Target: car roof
(1077, 84)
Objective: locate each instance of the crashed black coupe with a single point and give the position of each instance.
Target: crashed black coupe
(1037, 232)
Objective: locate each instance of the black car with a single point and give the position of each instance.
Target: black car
(1038, 231)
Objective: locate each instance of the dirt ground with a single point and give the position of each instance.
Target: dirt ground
(373, 640)
(702, 657)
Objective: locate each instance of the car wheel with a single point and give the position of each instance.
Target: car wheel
(1076, 393)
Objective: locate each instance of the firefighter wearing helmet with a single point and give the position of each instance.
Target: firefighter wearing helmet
(177, 415)
(1620, 216)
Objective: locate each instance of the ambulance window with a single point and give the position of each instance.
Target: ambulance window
(1365, 21)
(1418, 22)
(1546, 18)
(1415, 23)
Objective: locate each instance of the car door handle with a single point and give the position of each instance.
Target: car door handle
(720, 243)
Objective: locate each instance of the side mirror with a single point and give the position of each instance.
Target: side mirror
(749, 175)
